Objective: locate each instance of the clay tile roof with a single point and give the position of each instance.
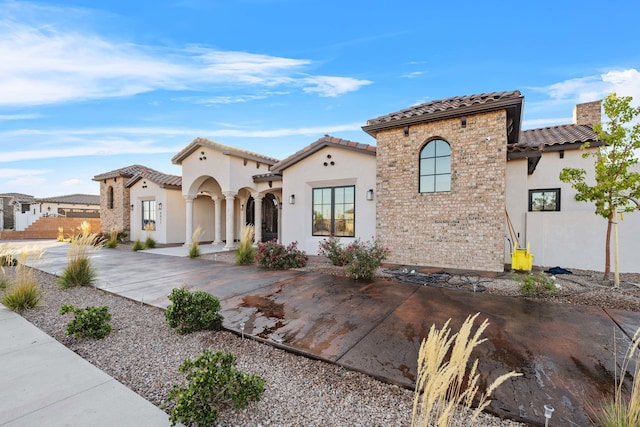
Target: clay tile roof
(447, 108)
(325, 141)
(163, 180)
(224, 149)
(72, 199)
(126, 172)
(558, 135)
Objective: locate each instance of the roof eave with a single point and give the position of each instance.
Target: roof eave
(450, 114)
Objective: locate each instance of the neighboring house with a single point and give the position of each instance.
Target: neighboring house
(22, 210)
(143, 201)
(437, 189)
(14, 204)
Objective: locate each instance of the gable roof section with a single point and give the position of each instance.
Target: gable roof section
(457, 106)
(325, 141)
(19, 197)
(72, 199)
(127, 172)
(163, 180)
(224, 149)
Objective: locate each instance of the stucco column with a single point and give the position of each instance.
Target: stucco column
(257, 216)
(217, 220)
(230, 197)
(279, 207)
(189, 218)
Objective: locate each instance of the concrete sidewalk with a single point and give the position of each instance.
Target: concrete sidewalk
(46, 384)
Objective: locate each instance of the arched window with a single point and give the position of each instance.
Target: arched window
(110, 197)
(435, 167)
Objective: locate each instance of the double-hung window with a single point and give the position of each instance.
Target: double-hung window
(334, 211)
(149, 215)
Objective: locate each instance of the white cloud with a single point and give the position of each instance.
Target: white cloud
(44, 62)
(19, 116)
(413, 74)
(328, 86)
(12, 173)
(624, 83)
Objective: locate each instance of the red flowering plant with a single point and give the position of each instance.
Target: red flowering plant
(274, 256)
(364, 258)
(333, 250)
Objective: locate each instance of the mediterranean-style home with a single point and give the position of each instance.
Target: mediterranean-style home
(453, 183)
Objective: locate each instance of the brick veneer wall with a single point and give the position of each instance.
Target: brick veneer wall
(118, 217)
(463, 228)
(47, 228)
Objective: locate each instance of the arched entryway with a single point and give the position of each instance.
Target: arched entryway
(269, 220)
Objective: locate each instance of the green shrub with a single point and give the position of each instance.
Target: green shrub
(193, 311)
(536, 284)
(149, 243)
(275, 256)
(90, 322)
(8, 261)
(78, 272)
(332, 249)
(22, 296)
(364, 258)
(194, 251)
(137, 246)
(213, 383)
(246, 251)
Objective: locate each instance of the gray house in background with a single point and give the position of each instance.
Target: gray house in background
(11, 202)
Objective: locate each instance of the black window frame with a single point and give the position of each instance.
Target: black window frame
(151, 218)
(557, 193)
(435, 174)
(333, 221)
(110, 197)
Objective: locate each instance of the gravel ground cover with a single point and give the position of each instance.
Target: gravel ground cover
(143, 353)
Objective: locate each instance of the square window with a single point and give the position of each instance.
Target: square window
(547, 200)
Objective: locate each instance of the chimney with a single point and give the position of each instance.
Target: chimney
(587, 113)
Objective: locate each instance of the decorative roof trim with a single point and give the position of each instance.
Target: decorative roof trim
(224, 149)
(325, 141)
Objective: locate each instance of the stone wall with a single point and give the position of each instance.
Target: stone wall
(463, 228)
(119, 216)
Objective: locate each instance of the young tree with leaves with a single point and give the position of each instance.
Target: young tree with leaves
(617, 186)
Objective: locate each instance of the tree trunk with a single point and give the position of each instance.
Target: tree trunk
(607, 257)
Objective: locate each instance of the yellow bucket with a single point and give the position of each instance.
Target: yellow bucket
(521, 259)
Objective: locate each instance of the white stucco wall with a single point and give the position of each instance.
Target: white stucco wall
(350, 168)
(574, 237)
(169, 219)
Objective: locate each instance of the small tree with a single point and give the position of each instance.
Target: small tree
(617, 187)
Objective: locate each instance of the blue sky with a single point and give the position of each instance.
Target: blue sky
(91, 86)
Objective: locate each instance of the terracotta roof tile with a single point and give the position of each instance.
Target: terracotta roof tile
(163, 180)
(558, 135)
(325, 141)
(127, 172)
(443, 107)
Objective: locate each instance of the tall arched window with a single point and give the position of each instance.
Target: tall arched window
(435, 167)
(110, 197)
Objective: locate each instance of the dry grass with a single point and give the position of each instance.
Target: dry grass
(23, 293)
(246, 251)
(620, 411)
(194, 251)
(444, 389)
(78, 271)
